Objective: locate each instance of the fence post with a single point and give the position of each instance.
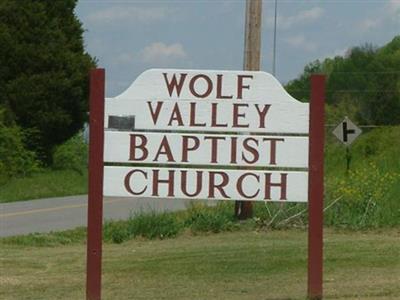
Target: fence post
(95, 197)
(316, 187)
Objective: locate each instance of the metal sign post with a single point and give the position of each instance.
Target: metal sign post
(347, 132)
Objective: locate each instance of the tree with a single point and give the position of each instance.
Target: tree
(44, 71)
(367, 79)
(300, 87)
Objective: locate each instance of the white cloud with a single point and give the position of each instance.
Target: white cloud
(302, 17)
(130, 13)
(124, 58)
(393, 7)
(160, 52)
(342, 52)
(337, 52)
(300, 42)
(369, 24)
(389, 12)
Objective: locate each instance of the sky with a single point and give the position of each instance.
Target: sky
(129, 37)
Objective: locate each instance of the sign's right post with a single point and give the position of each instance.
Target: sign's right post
(316, 187)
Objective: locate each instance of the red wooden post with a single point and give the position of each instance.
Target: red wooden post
(95, 198)
(316, 187)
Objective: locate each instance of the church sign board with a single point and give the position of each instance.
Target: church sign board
(230, 135)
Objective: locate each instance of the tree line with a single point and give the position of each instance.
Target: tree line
(365, 83)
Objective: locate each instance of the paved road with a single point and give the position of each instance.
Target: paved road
(54, 214)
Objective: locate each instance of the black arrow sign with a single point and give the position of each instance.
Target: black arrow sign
(346, 131)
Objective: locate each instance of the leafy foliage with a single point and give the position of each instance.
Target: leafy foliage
(15, 160)
(201, 218)
(44, 71)
(362, 195)
(71, 155)
(367, 77)
(367, 195)
(154, 225)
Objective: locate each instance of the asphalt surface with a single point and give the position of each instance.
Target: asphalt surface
(54, 214)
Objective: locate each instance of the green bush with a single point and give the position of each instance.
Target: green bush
(154, 225)
(116, 231)
(201, 218)
(72, 155)
(15, 159)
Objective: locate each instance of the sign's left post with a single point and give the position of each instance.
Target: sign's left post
(95, 197)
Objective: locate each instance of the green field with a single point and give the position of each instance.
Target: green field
(46, 184)
(238, 265)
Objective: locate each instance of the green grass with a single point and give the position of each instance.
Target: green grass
(52, 239)
(380, 146)
(232, 265)
(45, 184)
(150, 225)
(368, 195)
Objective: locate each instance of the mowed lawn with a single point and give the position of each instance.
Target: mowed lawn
(233, 265)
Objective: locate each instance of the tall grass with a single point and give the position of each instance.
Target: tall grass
(200, 218)
(45, 184)
(150, 225)
(368, 194)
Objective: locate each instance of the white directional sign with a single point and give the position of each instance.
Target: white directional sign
(198, 134)
(347, 131)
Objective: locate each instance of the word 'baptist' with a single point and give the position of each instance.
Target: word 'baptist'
(250, 149)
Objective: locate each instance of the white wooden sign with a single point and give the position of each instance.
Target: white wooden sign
(227, 134)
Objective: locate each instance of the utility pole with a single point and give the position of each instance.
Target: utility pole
(274, 51)
(251, 62)
(252, 35)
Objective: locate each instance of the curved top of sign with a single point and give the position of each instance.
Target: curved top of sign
(190, 100)
(180, 84)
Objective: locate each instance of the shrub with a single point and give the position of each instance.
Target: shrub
(202, 218)
(154, 225)
(72, 155)
(116, 231)
(15, 159)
